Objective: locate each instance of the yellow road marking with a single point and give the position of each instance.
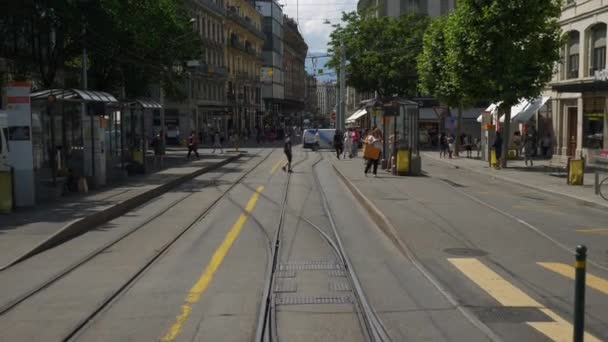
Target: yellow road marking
(568, 271)
(509, 295)
(601, 231)
(275, 167)
(207, 276)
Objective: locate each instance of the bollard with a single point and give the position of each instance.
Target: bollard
(579, 294)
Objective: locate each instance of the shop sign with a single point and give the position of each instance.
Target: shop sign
(594, 116)
(601, 75)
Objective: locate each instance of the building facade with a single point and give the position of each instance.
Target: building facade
(294, 58)
(579, 91)
(395, 8)
(310, 97)
(326, 98)
(273, 83)
(205, 107)
(244, 42)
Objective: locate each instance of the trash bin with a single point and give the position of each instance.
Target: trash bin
(6, 190)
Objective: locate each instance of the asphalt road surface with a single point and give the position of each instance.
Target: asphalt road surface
(249, 250)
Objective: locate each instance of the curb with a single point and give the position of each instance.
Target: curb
(577, 199)
(391, 233)
(84, 224)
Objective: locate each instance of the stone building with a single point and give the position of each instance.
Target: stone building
(579, 91)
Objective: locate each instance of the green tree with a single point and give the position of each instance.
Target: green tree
(437, 74)
(380, 52)
(504, 50)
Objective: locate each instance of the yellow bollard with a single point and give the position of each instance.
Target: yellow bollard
(6, 192)
(576, 171)
(403, 162)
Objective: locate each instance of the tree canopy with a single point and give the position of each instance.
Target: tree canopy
(380, 52)
(130, 43)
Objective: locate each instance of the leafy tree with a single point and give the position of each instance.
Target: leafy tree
(380, 52)
(437, 74)
(504, 50)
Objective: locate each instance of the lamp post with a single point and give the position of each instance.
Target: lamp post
(340, 117)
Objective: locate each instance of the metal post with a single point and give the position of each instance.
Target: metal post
(342, 85)
(163, 132)
(579, 294)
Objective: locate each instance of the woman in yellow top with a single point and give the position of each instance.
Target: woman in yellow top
(375, 141)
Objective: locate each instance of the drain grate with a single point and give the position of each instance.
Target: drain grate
(286, 274)
(339, 286)
(466, 252)
(284, 285)
(505, 314)
(316, 300)
(337, 273)
(310, 265)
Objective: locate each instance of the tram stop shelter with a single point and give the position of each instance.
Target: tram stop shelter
(71, 139)
(138, 115)
(398, 119)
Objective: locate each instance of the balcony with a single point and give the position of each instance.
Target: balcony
(245, 22)
(211, 7)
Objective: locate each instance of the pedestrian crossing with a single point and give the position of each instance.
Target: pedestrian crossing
(556, 328)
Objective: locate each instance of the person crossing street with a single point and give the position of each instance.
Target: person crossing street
(287, 151)
(193, 145)
(338, 143)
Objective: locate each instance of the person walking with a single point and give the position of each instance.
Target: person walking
(528, 149)
(451, 147)
(338, 143)
(288, 155)
(193, 145)
(158, 150)
(468, 145)
(498, 148)
(443, 146)
(217, 142)
(374, 140)
(355, 144)
(546, 145)
(348, 143)
(317, 140)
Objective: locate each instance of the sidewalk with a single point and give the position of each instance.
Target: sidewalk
(26, 228)
(536, 177)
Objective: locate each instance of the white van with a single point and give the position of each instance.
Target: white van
(3, 140)
(326, 138)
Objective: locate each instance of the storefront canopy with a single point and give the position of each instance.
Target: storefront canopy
(531, 109)
(358, 114)
(522, 112)
(145, 104)
(75, 95)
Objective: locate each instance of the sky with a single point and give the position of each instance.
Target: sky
(311, 15)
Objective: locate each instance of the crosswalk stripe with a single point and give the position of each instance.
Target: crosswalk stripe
(568, 271)
(509, 295)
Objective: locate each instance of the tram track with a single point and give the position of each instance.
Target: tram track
(82, 324)
(371, 326)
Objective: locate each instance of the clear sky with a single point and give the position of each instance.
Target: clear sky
(312, 15)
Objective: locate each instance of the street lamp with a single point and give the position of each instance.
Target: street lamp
(341, 81)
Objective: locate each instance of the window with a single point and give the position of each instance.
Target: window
(593, 122)
(573, 61)
(597, 49)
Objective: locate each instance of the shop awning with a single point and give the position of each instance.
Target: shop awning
(146, 104)
(517, 109)
(531, 109)
(76, 95)
(358, 114)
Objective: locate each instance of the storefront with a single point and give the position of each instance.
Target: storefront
(579, 118)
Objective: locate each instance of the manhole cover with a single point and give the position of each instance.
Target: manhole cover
(465, 252)
(506, 314)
